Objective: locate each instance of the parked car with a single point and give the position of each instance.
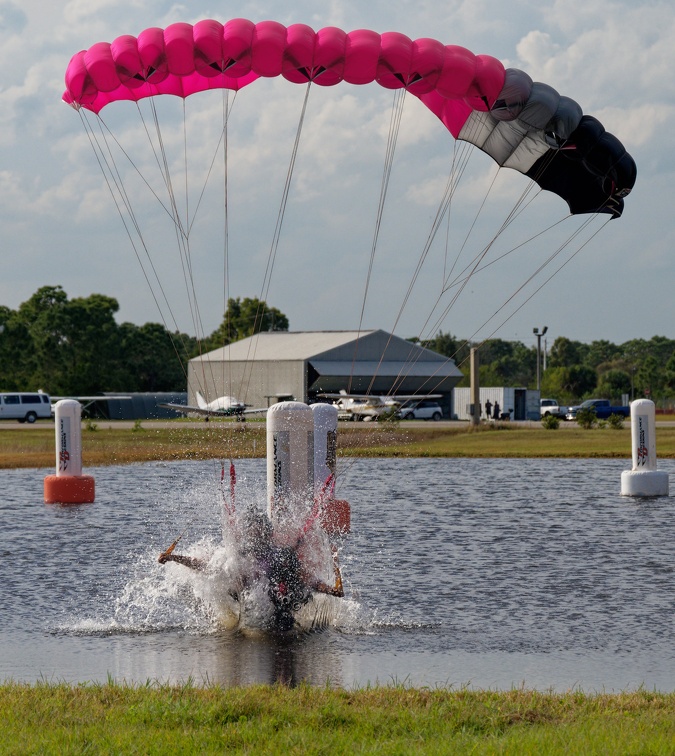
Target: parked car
(603, 409)
(423, 410)
(25, 406)
(551, 407)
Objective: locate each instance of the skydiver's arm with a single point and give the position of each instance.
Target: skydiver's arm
(192, 562)
(321, 587)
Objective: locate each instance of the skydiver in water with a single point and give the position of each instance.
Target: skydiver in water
(278, 565)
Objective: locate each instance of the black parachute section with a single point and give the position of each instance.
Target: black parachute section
(591, 171)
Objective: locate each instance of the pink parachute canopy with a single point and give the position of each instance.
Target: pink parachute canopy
(521, 124)
(183, 59)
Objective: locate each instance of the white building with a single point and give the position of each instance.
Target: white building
(517, 403)
(278, 365)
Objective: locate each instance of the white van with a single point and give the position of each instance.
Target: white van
(25, 406)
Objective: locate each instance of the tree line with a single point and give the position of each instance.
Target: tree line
(76, 347)
(574, 370)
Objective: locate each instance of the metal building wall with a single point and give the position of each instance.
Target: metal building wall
(259, 383)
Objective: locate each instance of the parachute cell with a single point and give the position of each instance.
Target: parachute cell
(521, 124)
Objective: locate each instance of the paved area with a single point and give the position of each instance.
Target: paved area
(148, 424)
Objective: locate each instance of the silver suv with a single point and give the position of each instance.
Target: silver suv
(421, 411)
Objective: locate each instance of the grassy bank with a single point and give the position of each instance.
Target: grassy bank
(155, 719)
(110, 444)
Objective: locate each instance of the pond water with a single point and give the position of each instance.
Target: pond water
(485, 573)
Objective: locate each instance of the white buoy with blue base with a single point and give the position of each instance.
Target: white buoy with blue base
(644, 479)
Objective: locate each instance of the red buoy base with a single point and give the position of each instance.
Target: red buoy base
(336, 517)
(69, 489)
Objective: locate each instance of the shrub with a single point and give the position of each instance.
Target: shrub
(615, 422)
(551, 422)
(587, 417)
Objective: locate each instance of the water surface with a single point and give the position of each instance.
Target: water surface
(488, 573)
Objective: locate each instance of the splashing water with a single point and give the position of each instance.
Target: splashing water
(230, 592)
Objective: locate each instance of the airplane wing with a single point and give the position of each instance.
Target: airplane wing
(188, 409)
(87, 401)
(98, 398)
(376, 398)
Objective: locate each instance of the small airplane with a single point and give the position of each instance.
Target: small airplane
(368, 407)
(223, 406)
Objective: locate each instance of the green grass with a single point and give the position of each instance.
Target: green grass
(109, 444)
(62, 719)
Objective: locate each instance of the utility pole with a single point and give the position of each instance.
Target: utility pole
(475, 387)
(535, 331)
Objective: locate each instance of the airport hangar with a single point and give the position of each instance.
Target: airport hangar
(276, 366)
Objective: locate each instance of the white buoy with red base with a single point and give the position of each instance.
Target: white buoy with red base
(325, 443)
(69, 486)
(301, 450)
(335, 513)
(644, 479)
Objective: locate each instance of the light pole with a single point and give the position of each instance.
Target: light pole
(535, 331)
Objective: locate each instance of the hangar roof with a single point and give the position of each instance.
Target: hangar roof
(329, 348)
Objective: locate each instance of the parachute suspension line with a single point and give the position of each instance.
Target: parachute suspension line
(182, 239)
(469, 340)
(165, 171)
(227, 336)
(185, 159)
(441, 212)
(475, 264)
(522, 244)
(544, 264)
(459, 165)
(131, 161)
(113, 178)
(519, 207)
(272, 255)
(462, 160)
(392, 139)
(477, 260)
(584, 225)
(181, 228)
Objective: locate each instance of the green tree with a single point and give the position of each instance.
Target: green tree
(568, 385)
(93, 344)
(613, 383)
(565, 352)
(650, 377)
(48, 355)
(16, 353)
(153, 358)
(495, 349)
(670, 373)
(243, 318)
(600, 352)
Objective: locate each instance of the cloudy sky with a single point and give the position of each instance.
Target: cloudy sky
(61, 226)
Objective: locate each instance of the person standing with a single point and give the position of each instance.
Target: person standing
(488, 409)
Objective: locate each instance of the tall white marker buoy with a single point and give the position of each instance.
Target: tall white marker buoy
(336, 513)
(644, 479)
(290, 463)
(69, 486)
(325, 443)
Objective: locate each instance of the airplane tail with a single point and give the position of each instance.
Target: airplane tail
(201, 402)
